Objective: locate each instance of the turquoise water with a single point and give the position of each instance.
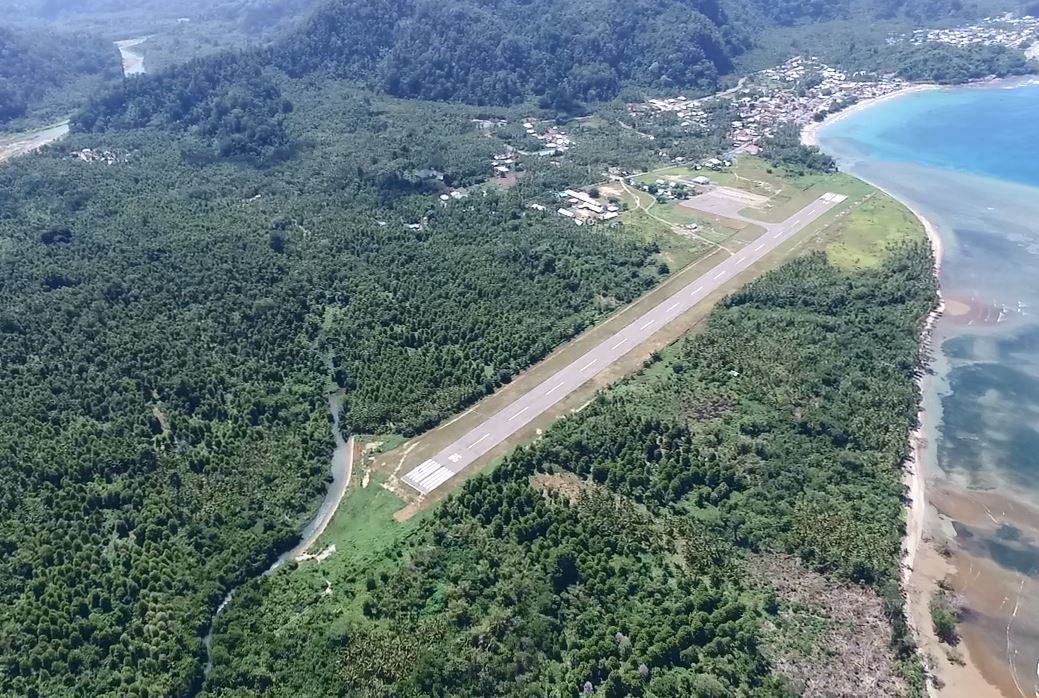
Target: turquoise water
(982, 131)
(968, 160)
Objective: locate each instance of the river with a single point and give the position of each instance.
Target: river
(133, 61)
(21, 144)
(968, 160)
(342, 470)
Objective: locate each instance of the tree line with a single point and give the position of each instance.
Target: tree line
(37, 66)
(607, 559)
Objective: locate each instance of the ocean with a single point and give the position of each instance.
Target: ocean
(967, 159)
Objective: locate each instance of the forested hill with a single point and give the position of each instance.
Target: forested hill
(788, 12)
(502, 51)
(35, 65)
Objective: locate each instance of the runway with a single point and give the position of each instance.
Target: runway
(439, 469)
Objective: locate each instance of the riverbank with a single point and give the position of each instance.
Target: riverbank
(22, 144)
(133, 61)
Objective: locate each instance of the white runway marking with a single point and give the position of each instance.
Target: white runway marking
(518, 413)
(720, 274)
(428, 476)
(589, 365)
(477, 442)
(672, 307)
(698, 289)
(618, 344)
(760, 245)
(556, 388)
(648, 323)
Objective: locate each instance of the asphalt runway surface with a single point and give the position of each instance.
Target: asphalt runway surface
(439, 469)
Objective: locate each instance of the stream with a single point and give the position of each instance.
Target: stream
(133, 62)
(342, 467)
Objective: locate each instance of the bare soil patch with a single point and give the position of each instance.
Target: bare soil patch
(831, 638)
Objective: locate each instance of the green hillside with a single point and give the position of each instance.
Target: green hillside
(44, 71)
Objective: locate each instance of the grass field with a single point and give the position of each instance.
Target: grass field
(862, 238)
(858, 239)
(364, 526)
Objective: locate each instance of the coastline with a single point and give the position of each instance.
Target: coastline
(951, 672)
(810, 133)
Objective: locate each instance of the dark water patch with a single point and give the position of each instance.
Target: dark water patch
(1008, 533)
(1016, 555)
(961, 348)
(974, 381)
(1022, 346)
(989, 421)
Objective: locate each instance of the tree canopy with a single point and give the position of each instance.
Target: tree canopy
(34, 65)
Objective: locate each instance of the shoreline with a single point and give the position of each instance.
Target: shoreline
(810, 132)
(951, 672)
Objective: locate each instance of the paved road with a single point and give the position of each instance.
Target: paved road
(434, 472)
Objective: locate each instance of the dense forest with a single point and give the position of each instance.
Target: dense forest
(785, 150)
(37, 67)
(167, 325)
(937, 62)
(226, 100)
(257, 233)
(498, 52)
(793, 12)
(615, 556)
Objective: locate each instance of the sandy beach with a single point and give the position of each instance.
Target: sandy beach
(954, 672)
(810, 133)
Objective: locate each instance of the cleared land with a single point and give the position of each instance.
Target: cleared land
(474, 444)
(13, 146)
(854, 233)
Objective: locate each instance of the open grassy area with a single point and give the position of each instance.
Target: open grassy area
(873, 222)
(364, 526)
(664, 172)
(862, 238)
(676, 249)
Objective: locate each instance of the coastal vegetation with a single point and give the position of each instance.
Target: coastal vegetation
(946, 614)
(274, 224)
(622, 553)
(785, 150)
(941, 63)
